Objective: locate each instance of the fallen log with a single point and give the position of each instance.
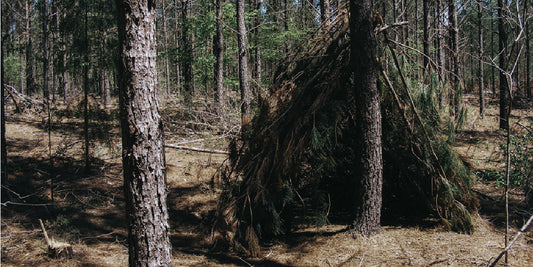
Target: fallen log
(28, 102)
(196, 149)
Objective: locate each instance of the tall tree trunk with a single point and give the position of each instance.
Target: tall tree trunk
(143, 153)
(3, 148)
(188, 57)
(426, 41)
(243, 65)
(324, 11)
(165, 47)
(492, 74)
(528, 58)
(285, 24)
(64, 75)
(86, 90)
(440, 41)
(504, 91)
(105, 88)
(454, 46)
(177, 42)
(30, 80)
(368, 118)
(46, 53)
(257, 32)
(219, 63)
(481, 55)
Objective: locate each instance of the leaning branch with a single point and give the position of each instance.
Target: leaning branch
(524, 228)
(196, 149)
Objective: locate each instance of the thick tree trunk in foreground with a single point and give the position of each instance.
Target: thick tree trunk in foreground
(368, 118)
(142, 137)
(243, 64)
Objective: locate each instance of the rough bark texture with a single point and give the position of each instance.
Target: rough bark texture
(142, 137)
(368, 118)
(243, 65)
(219, 63)
(504, 92)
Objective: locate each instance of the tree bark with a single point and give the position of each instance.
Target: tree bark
(492, 74)
(324, 11)
(426, 41)
(504, 91)
(46, 53)
(243, 65)
(86, 91)
(454, 46)
(528, 54)
(368, 118)
(31, 87)
(3, 149)
(440, 42)
(188, 57)
(177, 41)
(143, 153)
(165, 47)
(257, 62)
(481, 55)
(219, 63)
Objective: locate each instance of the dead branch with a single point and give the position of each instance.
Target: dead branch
(56, 249)
(28, 102)
(196, 149)
(387, 26)
(524, 228)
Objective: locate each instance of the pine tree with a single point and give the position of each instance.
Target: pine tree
(368, 118)
(143, 153)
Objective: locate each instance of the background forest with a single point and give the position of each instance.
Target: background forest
(465, 65)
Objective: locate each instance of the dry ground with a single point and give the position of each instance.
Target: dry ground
(88, 210)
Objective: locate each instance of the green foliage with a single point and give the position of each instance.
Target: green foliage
(62, 227)
(12, 70)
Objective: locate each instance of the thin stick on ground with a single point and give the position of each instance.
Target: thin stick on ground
(196, 149)
(524, 228)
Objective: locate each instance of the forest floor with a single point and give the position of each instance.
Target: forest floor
(88, 209)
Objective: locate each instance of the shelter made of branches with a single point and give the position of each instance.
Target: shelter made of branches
(295, 164)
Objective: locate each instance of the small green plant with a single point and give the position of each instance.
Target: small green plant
(62, 227)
